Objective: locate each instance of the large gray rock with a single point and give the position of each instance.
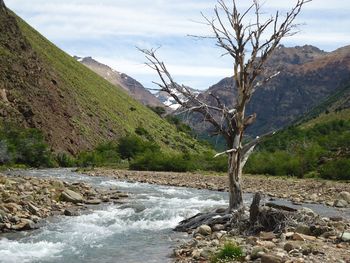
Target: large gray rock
(71, 196)
(341, 203)
(345, 196)
(204, 230)
(345, 237)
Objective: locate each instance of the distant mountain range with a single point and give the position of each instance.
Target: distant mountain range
(132, 86)
(301, 79)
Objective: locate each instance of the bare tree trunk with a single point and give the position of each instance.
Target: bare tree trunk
(235, 189)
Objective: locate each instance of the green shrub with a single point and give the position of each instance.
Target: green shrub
(24, 146)
(65, 160)
(336, 170)
(159, 161)
(230, 251)
(131, 146)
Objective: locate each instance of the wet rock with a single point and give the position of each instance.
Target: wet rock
(25, 224)
(70, 212)
(204, 230)
(71, 196)
(270, 258)
(93, 202)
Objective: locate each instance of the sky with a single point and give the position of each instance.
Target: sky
(110, 31)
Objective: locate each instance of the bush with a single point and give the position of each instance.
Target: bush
(131, 146)
(106, 154)
(65, 160)
(230, 251)
(336, 170)
(24, 146)
(159, 161)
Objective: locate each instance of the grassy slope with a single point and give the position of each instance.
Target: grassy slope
(97, 98)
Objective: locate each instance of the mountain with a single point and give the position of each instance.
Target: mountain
(76, 109)
(301, 78)
(169, 101)
(132, 86)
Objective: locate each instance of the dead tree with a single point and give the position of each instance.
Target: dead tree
(250, 45)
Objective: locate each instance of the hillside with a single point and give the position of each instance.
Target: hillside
(302, 78)
(316, 145)
(134, 88)
(43, 87)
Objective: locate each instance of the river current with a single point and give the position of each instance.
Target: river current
(137, 231)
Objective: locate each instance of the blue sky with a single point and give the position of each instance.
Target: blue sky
(110, 30)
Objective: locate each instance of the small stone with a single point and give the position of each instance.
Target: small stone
(93, 202)
(204, 230)
(289, 246)
(256, 252)
(270, 258)
(218, 227)
(301, 237)
(33, 209)
(267, 235)
(307, 211)
(266, 244)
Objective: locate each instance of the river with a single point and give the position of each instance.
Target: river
(137, 231)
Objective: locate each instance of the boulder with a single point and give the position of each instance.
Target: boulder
(340, 203)
(71, 196)
(204, 230)
(345, 237)
(344, 196)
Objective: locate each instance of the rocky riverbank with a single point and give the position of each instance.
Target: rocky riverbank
(25, 201)
(326, 240)
(296, 190)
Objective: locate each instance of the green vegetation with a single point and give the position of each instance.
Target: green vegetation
(145, 155)
(229, 252)
(105, 110)
(319, 150)
(23, 147)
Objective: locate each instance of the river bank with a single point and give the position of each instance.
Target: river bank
(296, 190)
(25, 200)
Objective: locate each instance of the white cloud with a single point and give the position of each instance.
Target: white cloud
(109, 30)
